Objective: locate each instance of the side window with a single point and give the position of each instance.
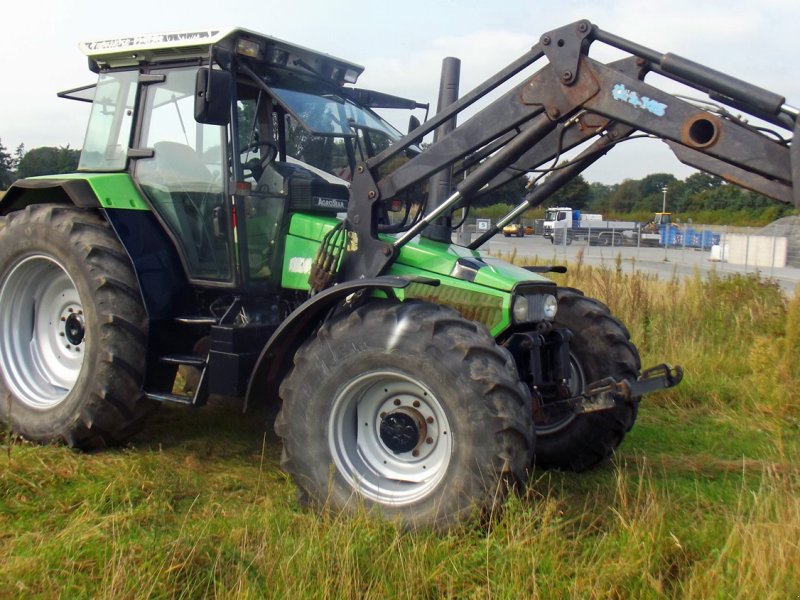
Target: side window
(108, 134)
(184, 178)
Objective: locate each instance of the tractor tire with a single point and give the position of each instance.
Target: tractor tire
(600, 347)
(73, 330)
(409, 411)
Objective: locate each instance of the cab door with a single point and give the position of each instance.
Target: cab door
(185, 175)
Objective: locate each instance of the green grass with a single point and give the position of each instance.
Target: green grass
(701, 501)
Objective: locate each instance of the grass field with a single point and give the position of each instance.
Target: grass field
(702, 500)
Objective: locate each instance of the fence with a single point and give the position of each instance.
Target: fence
(772, 251)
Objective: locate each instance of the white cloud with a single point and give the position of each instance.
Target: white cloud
(402, 47)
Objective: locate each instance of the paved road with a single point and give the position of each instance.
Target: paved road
(663, 262)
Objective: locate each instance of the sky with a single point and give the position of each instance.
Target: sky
(401, 44)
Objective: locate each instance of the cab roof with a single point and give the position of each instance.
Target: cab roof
(153, 48)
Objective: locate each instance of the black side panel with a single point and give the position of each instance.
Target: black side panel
(165, 289)
(40, 191)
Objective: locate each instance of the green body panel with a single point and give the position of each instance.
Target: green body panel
(438, 258)
(297, 260)
(475, 302)
(486, 299)
(302, 243)
(113, 190)
(312, 227)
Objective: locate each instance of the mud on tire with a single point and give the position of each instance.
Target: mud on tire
(408, 410)
(73, 330)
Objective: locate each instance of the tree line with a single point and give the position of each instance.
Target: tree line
(699, 193)
(46, 160)
(700, 196)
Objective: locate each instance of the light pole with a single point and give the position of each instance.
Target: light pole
(664, 230)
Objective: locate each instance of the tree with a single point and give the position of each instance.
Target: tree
(48, 160)
(575, 194)
(510, 193)
(6, 168)
(625, 196)
(652, 185)
(599, 193)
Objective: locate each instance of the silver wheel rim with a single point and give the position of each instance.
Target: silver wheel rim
(42, 331)
(383, 471)
(576, 384)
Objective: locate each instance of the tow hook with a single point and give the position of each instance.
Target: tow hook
(654, 379)
(606, 393)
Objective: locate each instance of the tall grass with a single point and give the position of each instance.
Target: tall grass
(701, 501)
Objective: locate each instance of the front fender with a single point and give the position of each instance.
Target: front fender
(276, 358)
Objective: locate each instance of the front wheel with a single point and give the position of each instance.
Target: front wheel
(600, 347)
(73, 330)
(408, 410)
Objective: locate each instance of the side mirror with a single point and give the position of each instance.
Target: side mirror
(212, 96)
(413, 123)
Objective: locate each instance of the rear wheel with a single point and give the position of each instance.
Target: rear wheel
(73, 330)
(600, 347)
(408, 410)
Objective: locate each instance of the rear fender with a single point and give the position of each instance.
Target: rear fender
(25, 192)
(162, 281)
(277, 356)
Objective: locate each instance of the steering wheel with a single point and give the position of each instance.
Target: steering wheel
(255, 165)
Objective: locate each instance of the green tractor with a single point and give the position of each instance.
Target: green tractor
(241, 211)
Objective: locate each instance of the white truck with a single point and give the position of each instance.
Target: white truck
(563, 224)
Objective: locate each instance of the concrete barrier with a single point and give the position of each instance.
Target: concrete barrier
(754, 250)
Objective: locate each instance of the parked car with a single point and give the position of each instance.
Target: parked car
(517, 230)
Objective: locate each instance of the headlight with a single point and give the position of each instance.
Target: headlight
(534, 307)
(550, 307)
(520, 309)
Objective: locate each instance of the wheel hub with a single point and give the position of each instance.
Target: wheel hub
(74, 328)
(402, 430)
(552, 418)
(390, 437)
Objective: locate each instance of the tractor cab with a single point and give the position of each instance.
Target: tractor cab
(228, 133)
(662, 218)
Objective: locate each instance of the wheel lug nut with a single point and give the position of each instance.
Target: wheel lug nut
(61, 334)
(429, 419)
(383, 415)
(416, 403)
(429, 440)
(397, 401)
(415, 452)
(63, 319)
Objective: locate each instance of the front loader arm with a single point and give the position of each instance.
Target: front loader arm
(568, 101)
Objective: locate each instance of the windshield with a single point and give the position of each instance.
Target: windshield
(312, 123)
(331, 114)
